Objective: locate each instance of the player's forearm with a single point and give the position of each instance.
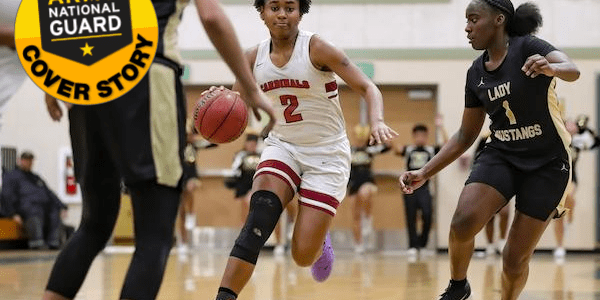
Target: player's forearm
(7, 36)
(453, 149)
(222, 34)
(374, 101)
(566, 71)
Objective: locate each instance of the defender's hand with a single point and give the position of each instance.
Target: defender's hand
(257, 100)
(411, 180)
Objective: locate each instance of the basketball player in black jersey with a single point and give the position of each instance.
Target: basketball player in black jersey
(244, 166)
(121, 140)
(417, 155)
(583, 139)
(361, 185)
(514, 82)
(190, 182)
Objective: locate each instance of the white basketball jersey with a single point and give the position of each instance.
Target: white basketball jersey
(305, 99)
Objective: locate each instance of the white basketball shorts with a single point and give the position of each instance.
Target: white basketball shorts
(318, 173)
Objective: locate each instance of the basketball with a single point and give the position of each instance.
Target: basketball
(220, 116)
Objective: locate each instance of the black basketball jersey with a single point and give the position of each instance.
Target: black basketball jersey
(244, 165)
(584, 139)
(526, 123)
(168, 14)
(418, 156)
(362, 158)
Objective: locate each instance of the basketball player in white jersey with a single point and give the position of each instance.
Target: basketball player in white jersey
(307, 152)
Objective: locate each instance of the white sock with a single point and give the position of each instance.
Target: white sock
(190, 221)
(566, 227)
(501, 244)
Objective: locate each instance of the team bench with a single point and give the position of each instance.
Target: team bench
(12, 234)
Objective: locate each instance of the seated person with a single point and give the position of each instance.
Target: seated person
(28, 200)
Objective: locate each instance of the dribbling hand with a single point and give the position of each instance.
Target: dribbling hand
(411, 180)
(258, 100)
(536, 65)
(381, 133)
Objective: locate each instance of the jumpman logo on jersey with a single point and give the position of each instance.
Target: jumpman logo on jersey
(481, 82)
(564, 168)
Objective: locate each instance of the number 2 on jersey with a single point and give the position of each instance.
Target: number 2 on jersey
(292, 103)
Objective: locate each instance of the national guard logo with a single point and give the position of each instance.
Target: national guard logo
(86, 51)
(102, 26)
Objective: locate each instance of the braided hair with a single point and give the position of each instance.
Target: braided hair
(304, 5)
(525, 20)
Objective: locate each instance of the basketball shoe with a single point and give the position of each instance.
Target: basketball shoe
(321, 269)
(455, 291)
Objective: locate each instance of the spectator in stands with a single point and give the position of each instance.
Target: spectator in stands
(28, 200)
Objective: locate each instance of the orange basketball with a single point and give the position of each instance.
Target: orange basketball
(220, 116)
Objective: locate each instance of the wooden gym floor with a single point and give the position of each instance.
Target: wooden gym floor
(23, 275)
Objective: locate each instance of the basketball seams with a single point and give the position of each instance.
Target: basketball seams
(212, 100)
(224, 119)
(217, 127)
(245, 116)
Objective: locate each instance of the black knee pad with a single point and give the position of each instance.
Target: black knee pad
(265, 210)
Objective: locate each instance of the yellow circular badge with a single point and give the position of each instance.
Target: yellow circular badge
(86, 51)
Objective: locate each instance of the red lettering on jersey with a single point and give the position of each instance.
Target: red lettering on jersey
(331, 86)
(284, 83)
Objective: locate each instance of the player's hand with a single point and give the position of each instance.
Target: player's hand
(536, 65)
(212, 89)
(54, 109)
(380, 132)
(257, 100)
(17, 219)
(411, 180)
(439, 120)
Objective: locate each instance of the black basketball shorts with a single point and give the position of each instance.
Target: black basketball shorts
(138, 137)
(357, 181)
(538, 192)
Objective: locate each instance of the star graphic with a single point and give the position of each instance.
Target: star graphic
(87, 49)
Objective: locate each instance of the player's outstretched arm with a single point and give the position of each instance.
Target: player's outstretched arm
(555, 63)
(472, 122)
(221, 33)
(327, 57)
(53, 106)
(7, 36)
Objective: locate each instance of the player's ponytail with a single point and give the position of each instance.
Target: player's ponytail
(526, 20)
